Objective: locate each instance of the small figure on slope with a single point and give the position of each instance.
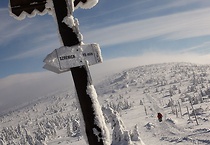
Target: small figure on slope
(160, 117)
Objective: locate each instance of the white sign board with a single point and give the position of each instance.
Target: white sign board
(65, 58)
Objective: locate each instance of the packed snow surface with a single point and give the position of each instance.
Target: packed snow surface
(130, 100)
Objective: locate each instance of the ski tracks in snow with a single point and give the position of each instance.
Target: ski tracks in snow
(167, 129)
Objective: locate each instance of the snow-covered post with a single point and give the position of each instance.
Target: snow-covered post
(188, 112)
(145, 109)
(176, 111)
(194, 111)
(180, 109)
(71, 56)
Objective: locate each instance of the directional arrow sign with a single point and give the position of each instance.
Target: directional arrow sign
(65, 57)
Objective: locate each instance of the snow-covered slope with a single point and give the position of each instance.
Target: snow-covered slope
(137, 94)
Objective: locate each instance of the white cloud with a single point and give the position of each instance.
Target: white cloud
(21, 88)
(151, 58)
(173, 27)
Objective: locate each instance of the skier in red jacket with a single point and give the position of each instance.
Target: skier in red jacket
(160, 117)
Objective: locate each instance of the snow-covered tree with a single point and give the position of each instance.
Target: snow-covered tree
(120, 136)
(2, 142)
(29, 138)
(75, 131)
(22, 140)
(135, 136)
(69, 129)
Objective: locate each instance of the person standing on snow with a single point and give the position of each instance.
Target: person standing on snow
(160, 117)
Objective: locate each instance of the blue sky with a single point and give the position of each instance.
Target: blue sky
(130, 32)
(122, 28)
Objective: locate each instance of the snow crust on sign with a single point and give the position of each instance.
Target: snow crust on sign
(98, 52)
(35, 12)
(50, 7)
(99, 118)
(24, 14)
(88, 5)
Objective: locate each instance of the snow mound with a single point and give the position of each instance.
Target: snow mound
(124, 76)
(149, 126)
(169, 120)
(202, 130)
(198, 111)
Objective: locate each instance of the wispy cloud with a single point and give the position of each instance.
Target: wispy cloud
(37, 36)
(171, 27)
(11, 29)
(171, 4)
(118, 9)
(9, 32)
(38, 50)
(205, 45)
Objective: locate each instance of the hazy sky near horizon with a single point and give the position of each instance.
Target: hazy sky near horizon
(130, 32)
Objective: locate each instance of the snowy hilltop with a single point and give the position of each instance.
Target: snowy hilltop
(130, 101)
